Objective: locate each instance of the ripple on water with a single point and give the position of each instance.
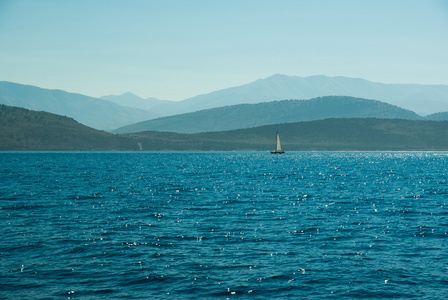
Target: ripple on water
(187, 225)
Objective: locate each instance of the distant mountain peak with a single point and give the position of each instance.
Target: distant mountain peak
(130, 95)
(127, 95)
(278, 75)
(285, 76)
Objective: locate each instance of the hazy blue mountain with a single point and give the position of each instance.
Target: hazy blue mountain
(93, 112)
(441, 116)
(423, 99)
(287, 111)
(130, 100)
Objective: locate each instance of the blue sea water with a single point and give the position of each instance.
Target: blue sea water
(183, 225)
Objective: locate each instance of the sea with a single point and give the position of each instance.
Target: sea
(223, 225)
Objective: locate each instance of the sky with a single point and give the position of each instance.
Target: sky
(176, 49)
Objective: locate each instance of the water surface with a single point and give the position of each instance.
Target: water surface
(182, 225)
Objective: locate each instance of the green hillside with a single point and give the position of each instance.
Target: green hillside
(22, 129)
(321, 135)
(286, 111)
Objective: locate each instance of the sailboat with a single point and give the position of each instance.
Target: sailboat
(278, 146)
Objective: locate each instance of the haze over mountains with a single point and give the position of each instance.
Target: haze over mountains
(422, 99)
(130, 100)
(112, 112)
(274, 112)
(93, 112)
(327, 122)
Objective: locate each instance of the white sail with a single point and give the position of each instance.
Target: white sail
(279, 147)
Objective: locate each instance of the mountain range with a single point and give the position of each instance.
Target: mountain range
(130, 100)
(113, 112)
(274, 112)
(422, 99)
(23, 129)
(93, 112)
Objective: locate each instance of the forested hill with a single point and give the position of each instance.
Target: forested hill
(321, 135)
(287, 111)
(23, 129)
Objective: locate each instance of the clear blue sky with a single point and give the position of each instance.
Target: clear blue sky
(173, 49)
